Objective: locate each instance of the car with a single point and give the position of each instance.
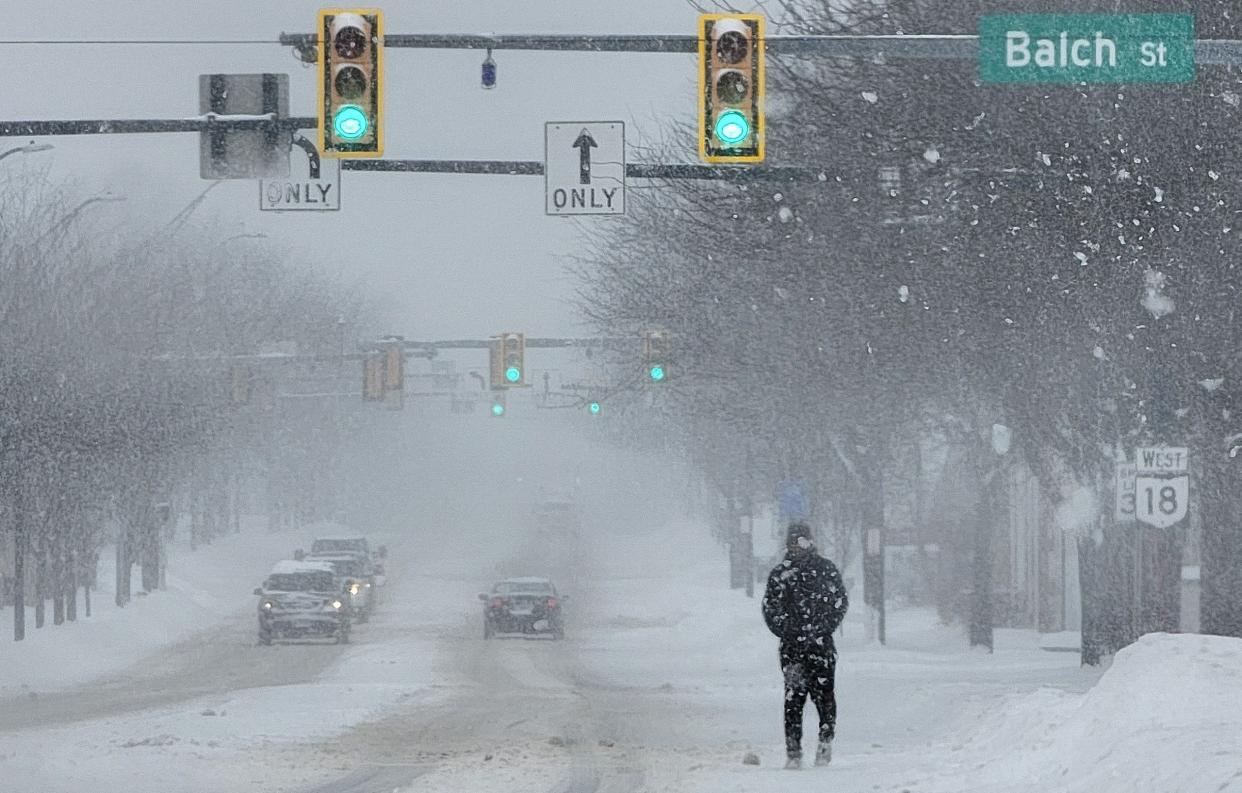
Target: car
(355, 579)
(300, 600)
(356, 544)
(523, 606)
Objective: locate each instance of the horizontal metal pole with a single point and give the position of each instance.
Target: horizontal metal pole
(931, 46)
(113, 126)
(733, 173)
(531, 341)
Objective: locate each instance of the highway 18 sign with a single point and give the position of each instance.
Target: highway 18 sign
(584, 167)
(1162, 485)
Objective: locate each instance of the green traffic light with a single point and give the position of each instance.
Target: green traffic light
(594, 408)
(498, 409)
(513, 374)
(350, 123)
(732, 127)
(656, 372)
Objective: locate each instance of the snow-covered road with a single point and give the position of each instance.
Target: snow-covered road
(665, 681)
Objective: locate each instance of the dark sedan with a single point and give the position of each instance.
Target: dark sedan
(526, 606)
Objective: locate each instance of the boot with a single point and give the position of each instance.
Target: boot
(823, 755)
(793, 761)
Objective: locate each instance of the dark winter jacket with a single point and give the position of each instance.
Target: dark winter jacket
(804, 602)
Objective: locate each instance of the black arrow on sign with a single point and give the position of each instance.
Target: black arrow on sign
(312, 154)
(584, 144)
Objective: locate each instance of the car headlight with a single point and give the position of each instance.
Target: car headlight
(353, 589)
(336, 604)
(267, 604)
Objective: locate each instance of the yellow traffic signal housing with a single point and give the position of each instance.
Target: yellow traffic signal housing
(373, 377)
(731, 85)
(351, 66)
(496, 362)
(240, 385)
(394, 368)
(514, 360)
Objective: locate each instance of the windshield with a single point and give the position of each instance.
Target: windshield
(348, 567)
(326, 546)
(621, 396)
(522, 588)
(300, 582)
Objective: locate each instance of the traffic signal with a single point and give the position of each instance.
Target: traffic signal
(514, 371)
(239, 384)
(655, 355)
(394, 367)
(593, 407)
(373, 377)
(731, 87)
(351, 62)
(498, 404)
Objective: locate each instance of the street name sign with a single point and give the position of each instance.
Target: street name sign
(1087, 48)
(584, 167)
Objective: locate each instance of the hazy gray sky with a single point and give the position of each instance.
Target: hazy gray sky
(456, 255)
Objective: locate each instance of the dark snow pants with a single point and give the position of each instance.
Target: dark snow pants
(808, 673)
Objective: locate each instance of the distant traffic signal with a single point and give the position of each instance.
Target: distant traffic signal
(498, 404)
(514, 359)
(351, 62)
(655, 355)
(593, 407)
(731, 87)
(373, 377)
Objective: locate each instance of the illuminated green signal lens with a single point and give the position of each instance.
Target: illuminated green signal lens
(498, 409)
(732, 127)
(513, 374)
(594, 408)
(657, 373)
(350, 123)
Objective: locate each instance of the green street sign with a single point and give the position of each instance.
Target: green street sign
(1087, 48)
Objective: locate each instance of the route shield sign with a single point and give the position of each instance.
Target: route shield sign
(1087, 48)
(1161, 501)
(584, 167)
(1125, 494)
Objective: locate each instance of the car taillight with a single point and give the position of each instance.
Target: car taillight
(497, 603)
(553, 603)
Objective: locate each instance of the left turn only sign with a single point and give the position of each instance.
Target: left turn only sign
(314, 185)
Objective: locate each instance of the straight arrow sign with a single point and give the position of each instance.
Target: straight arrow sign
(584, 144)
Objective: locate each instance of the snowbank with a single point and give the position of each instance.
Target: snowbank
(1167, 716)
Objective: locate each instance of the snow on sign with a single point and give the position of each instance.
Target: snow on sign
(312, 187)
(584, 167)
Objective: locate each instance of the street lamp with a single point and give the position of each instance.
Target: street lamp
(29, 148)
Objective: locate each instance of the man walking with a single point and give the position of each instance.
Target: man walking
(804, 603)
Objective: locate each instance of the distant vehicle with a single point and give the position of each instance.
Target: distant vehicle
(345, 544)
(355, 579)
(301, 600)
(523, 606)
